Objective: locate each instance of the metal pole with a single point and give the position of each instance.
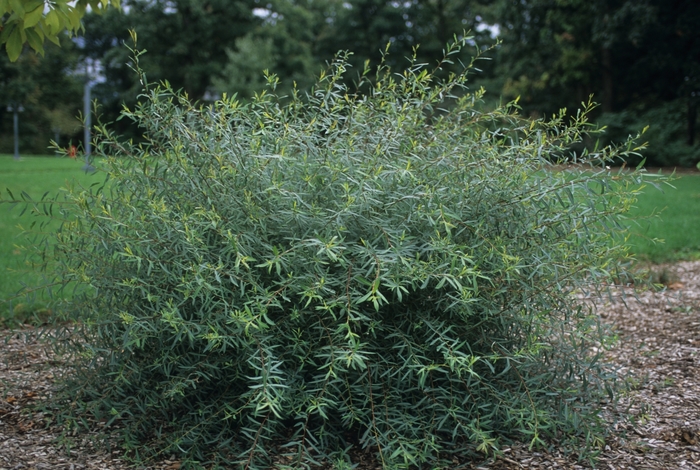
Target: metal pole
(87, 114)
(15, 119)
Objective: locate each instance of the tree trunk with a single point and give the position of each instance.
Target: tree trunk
(692, 119)
(607, 81)
(442, 23)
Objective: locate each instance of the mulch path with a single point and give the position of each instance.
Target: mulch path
(659, 347)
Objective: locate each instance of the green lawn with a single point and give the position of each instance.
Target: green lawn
(35, 176)
(677, 223)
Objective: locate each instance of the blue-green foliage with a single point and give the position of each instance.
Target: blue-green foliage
(383, 268)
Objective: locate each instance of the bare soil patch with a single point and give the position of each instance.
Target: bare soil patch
(659, 347)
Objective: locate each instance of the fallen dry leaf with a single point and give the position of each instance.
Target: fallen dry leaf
(689, 437)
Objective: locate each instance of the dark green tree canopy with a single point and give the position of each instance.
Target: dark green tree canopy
(48, 89)
(640, 59)
(186, 40)
(556, 53)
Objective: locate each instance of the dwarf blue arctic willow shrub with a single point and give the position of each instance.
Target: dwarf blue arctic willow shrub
(382, 267)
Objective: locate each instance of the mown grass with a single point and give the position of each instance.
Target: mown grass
(671, 216)
(34, 176)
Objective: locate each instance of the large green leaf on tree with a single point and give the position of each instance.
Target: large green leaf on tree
(33, 21)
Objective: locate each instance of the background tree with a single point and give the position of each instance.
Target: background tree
(638, 57)
(49, 90)
(186, 41)
(210, 48)
(285, 42)
(366, 26)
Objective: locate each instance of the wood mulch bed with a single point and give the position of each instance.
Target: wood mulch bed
(659, 347)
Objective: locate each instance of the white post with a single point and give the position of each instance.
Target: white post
(15, 122)
(15, 109)
(87, 115)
